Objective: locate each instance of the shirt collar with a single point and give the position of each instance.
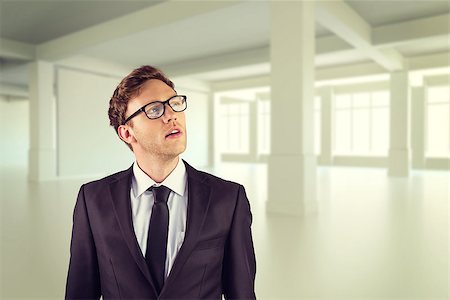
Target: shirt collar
(176, 181)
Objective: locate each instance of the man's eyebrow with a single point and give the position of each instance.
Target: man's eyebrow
(161, 100)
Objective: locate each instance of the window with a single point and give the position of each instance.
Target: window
(437, 122)
(264, 127)
(361, 123)
(234, 127)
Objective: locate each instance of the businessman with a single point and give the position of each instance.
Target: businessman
(160, 229)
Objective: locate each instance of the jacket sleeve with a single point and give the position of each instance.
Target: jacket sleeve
(83, 280)
(239, 266)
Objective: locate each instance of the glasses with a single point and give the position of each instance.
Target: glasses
(156, 109)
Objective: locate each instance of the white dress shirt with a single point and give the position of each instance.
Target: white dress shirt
(142, 204)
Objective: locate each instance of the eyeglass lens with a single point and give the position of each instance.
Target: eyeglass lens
(156, 110)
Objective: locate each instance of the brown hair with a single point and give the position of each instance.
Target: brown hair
(129, 88)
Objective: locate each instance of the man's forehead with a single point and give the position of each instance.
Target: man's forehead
(155, 88)
(151, 90)
(156, 82)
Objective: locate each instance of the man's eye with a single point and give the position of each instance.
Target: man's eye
(153, 109)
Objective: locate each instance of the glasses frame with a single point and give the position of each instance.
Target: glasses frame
(142, 109)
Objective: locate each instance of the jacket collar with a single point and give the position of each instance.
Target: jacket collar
(198, 204)
(120, 195)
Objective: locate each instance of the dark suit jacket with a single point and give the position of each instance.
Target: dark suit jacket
(217, 256)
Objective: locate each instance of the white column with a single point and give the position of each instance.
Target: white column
(218, 132)
(418, 127)
(292, 163)
(399, 152)
(42, 153)
(326, 97)
(211, 130)
(253, 130)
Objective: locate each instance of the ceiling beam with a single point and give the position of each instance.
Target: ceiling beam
(432, 61)
(95, 65)
(347, 71)
(330, 44)
(241, 83)
(342, 20)
(411, 31)
(218, 62)
(338, 72)
(261, 56)
(158, 15)
(10, 49)
(341, 72)
(324, 45)
(13, 90)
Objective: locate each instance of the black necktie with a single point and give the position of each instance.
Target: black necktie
(155, 255)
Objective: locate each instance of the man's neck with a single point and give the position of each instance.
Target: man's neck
(157, 169)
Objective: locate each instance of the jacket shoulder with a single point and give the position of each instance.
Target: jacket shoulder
(213, 179)
(215, 182)
(105, 181)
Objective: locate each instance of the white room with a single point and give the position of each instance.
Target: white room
(333, 115)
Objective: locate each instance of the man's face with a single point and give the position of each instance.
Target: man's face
(154, 136)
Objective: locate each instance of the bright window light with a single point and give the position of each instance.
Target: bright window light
(437, 122)
(234, 127)
(361, 124)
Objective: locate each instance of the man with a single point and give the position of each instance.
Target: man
(161, 229)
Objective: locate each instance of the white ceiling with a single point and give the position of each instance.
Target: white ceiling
(233, 28)
(213, 35)
(378, 13)
(39, 21)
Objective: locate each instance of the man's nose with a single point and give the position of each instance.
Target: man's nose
(169, 114)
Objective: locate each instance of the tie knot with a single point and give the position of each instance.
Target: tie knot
(161, 193)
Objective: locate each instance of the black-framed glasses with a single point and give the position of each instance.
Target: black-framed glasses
(156, 109)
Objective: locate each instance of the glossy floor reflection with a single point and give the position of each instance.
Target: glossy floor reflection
(373, 237)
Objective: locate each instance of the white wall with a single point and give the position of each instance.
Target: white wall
(86, 144)
(14, 133)
(197, 126)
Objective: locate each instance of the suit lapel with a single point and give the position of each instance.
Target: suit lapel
(120, 195)
(198, 204)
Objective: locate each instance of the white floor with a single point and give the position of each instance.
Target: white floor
(373, 237)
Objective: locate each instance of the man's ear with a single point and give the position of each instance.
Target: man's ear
(126, 134)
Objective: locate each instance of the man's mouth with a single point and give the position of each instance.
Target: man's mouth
(173, 134)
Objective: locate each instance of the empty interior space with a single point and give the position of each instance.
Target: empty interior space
(334, 115)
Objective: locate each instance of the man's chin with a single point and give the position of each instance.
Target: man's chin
(181, 150)
(176, 152)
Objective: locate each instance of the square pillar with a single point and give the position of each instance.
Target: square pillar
(418, 127)
(211, 130)
(253, 130)
(399, 152)
(42, 153)
(326, 155)
(292, 163)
